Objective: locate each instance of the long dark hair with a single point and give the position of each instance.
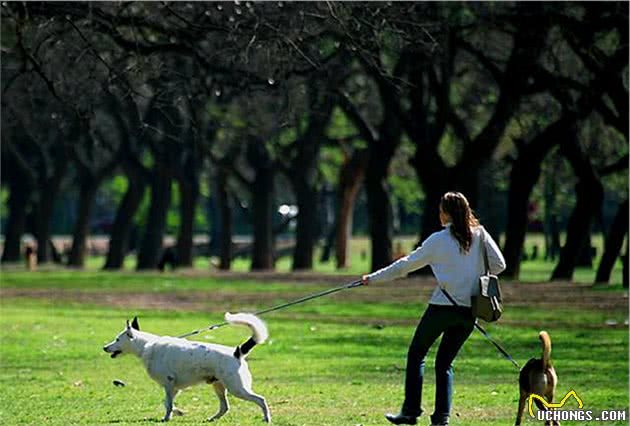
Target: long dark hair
(462, 218)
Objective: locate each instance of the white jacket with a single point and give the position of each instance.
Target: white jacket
(457, 272)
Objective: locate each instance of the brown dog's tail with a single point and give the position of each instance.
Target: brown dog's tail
(546, 348)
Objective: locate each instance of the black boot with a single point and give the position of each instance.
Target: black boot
(401, 419)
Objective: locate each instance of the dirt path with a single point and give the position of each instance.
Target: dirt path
(547, 295)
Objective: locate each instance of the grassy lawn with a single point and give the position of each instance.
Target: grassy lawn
(333, 361)
(128, 281)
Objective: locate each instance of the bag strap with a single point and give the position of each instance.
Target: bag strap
(484, 251)
(448, 296)
(483, 331)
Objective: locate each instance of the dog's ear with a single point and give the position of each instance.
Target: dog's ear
(128, 330)
(134, 324)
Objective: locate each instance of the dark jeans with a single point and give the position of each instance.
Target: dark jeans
(456, 323)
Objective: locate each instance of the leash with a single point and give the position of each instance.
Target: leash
(353, 284)
(484, 332)
(496, 345)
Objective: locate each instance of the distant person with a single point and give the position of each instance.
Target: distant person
(455, 257)
(534, 255)
(30, 258)
(168, 258)
(553, 250)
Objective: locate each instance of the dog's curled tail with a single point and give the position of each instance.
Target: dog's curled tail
(546, 348)
(259, 331)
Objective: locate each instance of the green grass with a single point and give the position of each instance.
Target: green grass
(127, 281)
(326, 363)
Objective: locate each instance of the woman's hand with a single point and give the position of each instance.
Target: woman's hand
(364, 280)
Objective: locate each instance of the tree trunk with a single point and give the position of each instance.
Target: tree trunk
(262, 189)
(262, 220)
(552, 234)
(123, 223)
(151, 246)
(327, 221)
(525, 173)
(585, 254)
(16, 222)
(590, 194)
(624, 261)
(614, 243)
(329, 242)
(523, 177)
(435, 178)
(87, 194)
(42, 212)
(467, 181)
(379, 205)
(380, 222)
(225, 222)
(321, 98)
(430, 215)
(189, 195)
(351, 177)
(54, 253)
(306, 228)
(589, 199)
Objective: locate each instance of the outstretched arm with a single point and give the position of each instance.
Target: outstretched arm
(417, 259)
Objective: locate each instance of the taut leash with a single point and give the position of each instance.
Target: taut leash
(353, 284)
(484, 332)
(496, 345)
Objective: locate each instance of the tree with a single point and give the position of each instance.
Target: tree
(617, 233)
(164, 128)
(301, 164)
(606, 61)
(351, 176)
(40, 159)
(95, 156)
(21, 184)
(128, 125)
(382, 144)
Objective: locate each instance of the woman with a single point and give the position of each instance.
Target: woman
(456, 259)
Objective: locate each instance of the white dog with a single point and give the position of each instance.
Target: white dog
(179, 363)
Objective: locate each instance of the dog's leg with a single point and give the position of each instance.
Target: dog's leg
(169, 395)
(542, 407)
(257, 399)
(240, 386)
(521, 406)
(549, 396)
(176, 410)
(224, 405)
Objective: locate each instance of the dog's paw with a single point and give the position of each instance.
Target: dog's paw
(217, 416)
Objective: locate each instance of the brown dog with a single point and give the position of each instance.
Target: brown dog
(538, 376)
